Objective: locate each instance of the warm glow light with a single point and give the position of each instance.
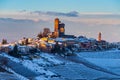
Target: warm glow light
(62, 30)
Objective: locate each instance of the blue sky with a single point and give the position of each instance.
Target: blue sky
(19, 18)
(62, 5)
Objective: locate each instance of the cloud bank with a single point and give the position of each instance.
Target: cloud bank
(16, 25)
(69, 14)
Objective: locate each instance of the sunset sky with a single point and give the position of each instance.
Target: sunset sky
(19, 18)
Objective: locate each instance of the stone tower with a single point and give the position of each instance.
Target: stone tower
(99, 36)
(56, 27)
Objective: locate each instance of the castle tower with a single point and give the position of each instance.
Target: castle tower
(56, 27)
(99, 36)
(61, 29)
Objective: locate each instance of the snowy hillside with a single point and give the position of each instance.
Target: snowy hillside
(85, 65)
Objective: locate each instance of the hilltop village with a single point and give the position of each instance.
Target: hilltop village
(58, 42)
(58, 56)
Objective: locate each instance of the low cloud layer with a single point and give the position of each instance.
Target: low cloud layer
(16, 20)
(16, 25)
(69, 14)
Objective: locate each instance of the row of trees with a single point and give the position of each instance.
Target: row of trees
(45, 33)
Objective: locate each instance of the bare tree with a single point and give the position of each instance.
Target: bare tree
(46, 32)
(40, 35)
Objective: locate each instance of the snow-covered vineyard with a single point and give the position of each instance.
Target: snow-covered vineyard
(59, 59)
(100, 65)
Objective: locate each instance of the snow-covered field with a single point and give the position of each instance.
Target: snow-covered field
(103, 65)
